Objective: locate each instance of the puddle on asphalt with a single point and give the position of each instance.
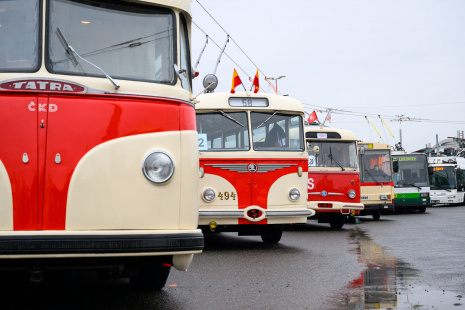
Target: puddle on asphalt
(388, 283)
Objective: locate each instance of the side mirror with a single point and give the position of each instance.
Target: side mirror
(395, 166)
(316, 149)
(361, 150)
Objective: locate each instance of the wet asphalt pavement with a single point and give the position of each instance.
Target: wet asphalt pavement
(403, 261)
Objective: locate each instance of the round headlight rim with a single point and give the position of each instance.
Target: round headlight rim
(208, 189)
(352, 194)
(172, 164)
(290, 194)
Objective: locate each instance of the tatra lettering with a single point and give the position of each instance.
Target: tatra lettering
(31, 85)
(42, 85)
(67, 87)
(310, 184)
(18, 85)
(55, 86)
(42, 107)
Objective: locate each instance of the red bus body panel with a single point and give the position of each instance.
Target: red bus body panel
(56, 131)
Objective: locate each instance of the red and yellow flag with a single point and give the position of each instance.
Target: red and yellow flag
(236, 81)
(256, 83)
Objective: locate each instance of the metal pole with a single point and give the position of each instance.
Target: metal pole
(221, 54)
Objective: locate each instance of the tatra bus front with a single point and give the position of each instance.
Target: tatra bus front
(333, 175)
(98, 139)
(253, 164)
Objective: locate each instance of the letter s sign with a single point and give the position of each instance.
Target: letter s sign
(310, 184)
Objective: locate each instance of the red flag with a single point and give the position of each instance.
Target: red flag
(255, 83)
(312, 117)
(236, 81)
(328, 117)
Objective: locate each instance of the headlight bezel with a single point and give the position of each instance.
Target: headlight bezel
(146, 165)
(352, 194)
(293, 192)
(212, 192)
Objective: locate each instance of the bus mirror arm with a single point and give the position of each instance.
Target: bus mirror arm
(209, 85)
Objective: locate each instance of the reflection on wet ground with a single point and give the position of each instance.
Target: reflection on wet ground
(388, 283)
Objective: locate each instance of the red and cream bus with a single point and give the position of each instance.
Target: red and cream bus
(333, 174)
(98, 138)
(253, 164)
(376, 182)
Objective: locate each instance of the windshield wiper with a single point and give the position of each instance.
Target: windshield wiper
(266, 120)
(70, 50)
(333, 158)
(410, 184)
(230, 118)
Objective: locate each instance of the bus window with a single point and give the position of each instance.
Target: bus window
(142, 50)
(276, 132)
(19, 35)
(224, 131)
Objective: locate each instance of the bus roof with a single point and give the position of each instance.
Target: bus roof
(183, 5)
(221, 100)
(374, 145)
(334, 134)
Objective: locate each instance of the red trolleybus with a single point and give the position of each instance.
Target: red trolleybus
(253, 164)
(98, 138)
(376, 182)
(333, 174)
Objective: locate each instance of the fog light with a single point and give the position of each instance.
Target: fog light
(294, 194)
(352, 194)
(158, 167)
(208, 194)
(213, 225)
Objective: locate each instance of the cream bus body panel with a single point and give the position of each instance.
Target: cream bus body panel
(6, 200)
(371, 194)
(109, 191)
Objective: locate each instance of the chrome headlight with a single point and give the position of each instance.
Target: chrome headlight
(294, 194)
(383, 197)
(158, 167)
(352, 194)
(208, 194)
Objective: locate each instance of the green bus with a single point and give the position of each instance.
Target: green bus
(411, 181)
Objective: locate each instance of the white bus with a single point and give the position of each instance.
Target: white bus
(447, 179)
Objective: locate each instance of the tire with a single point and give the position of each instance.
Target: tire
(271, 233)
(422, 209)
(376, 216)
(337, 222)
(148, 273)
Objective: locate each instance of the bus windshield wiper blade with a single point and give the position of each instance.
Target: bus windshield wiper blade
(70, 50)
(333, 158)
(230, 118)
(266, 120)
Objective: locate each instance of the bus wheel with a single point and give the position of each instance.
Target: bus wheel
(148, 273)
(337, 222)
(271, 233)
(422, 209)
(376, 215)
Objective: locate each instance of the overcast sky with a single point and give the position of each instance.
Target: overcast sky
(364, 57)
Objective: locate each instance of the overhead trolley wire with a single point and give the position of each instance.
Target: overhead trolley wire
(258, 68)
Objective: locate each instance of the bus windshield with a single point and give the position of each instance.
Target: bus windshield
(375, 166)
(410, 171)
(223, 131)
(272, 131)
(19, 35)
(126, 40)
(332, 154)
(443, 178)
